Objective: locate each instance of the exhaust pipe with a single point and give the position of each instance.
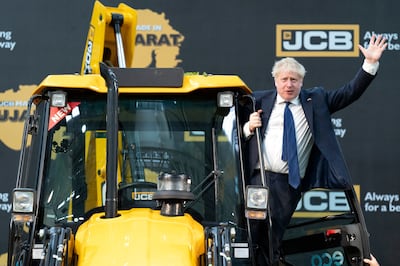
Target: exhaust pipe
(111, 204)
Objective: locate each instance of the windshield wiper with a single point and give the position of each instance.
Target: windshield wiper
(214, 173)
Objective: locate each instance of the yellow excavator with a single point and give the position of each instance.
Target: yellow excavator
(130, 166)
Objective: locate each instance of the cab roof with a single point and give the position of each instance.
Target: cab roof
(145, 80)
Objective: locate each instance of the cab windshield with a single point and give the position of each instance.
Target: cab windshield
(155, 136)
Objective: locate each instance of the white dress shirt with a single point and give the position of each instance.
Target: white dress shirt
(272, 144)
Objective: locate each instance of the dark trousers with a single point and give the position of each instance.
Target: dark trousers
(283, 200)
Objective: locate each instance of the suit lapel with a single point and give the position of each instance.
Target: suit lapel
(267, 103)
(307, 104)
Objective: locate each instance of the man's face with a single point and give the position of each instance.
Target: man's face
(288, 85)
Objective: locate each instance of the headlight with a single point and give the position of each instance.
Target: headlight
(58, 99)
(225, 99)
(23, 201)
(256, 202)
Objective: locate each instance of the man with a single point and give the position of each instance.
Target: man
(372, 261)
(317, 157)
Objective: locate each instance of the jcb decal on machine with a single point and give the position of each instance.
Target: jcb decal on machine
(312, 40)
(320, 202)
(88, 58)
(142, 195)
(89, 51)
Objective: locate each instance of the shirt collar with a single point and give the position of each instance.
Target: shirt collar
(295, 101)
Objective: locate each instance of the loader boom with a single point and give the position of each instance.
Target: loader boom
(104, 40)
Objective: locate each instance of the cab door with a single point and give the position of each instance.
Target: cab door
(328, 228)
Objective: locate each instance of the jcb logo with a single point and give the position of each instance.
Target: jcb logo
(317, 40)
(142, 195)
(322, 202)
(88, 53)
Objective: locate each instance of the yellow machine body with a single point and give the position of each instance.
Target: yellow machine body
(140, 237)
(136, 236)
(100, 43)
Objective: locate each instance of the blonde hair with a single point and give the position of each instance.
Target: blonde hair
(288, 64)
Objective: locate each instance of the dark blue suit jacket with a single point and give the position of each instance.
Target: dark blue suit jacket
(327, 167)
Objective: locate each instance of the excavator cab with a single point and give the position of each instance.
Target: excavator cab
(125, 166)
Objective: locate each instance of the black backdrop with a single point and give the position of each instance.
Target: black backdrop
(40, 37)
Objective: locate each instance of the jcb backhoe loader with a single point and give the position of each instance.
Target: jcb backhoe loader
(125, 166)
